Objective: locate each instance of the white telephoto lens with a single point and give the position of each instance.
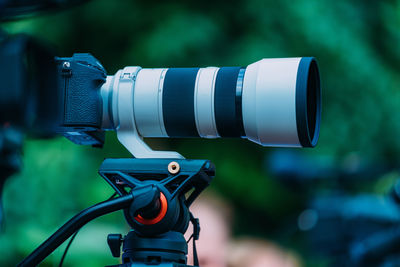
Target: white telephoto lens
(272, 102)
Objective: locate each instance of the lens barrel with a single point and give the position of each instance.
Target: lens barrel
(273, 102)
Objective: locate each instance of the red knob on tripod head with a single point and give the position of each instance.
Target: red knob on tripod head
(161, 209)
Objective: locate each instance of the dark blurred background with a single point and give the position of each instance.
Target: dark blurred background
(356, 44)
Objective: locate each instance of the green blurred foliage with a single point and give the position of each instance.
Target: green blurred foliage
(355, 42)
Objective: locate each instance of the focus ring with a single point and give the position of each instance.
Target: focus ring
(225, 102)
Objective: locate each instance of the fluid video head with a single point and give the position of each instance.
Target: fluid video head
(272, 102)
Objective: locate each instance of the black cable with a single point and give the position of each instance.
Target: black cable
(69, 228)
(73, 237)
(196, 234)
(66, 249)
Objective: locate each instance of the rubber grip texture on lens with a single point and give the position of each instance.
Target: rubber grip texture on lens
(178, 102)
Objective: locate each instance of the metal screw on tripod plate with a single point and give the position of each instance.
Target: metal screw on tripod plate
(66, 64)
(173, 167)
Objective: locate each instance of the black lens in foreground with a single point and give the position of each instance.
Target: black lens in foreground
(308, 102)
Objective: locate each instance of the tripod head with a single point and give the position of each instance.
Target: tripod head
(178, 183)
(160, 217)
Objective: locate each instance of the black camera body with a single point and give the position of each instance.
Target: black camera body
(79, 81)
